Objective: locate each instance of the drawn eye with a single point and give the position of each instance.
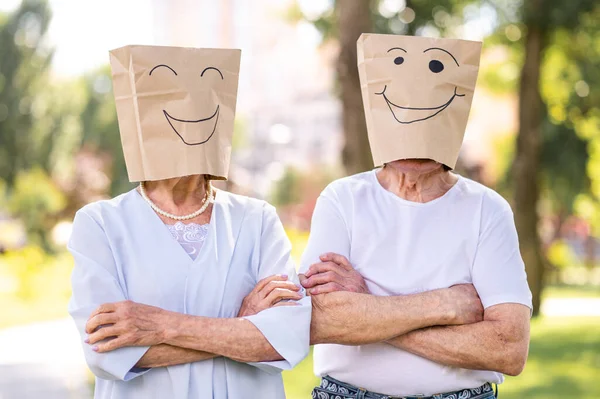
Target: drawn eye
(162, 65)
(436, 66)
(398, 60)
(214, 69)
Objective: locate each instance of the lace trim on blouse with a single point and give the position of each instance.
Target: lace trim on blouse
(190, 236)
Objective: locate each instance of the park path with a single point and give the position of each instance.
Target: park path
(45, 360)
(42, 361)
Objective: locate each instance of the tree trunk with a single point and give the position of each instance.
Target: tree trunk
(353, 17)
(526, 164)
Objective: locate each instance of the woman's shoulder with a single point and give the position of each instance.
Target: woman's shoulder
(102, 209)
(242, 203)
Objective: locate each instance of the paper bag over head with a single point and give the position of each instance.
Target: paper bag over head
(417, 93)
(176, 108)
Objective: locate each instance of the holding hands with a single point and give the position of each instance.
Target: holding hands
(333, 273)
(270, 292)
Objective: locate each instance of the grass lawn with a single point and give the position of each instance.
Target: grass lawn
(564, 291)
(564, 363)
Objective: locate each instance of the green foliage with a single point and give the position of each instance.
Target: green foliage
(36, 201)
(500, 74)
(572, 132)
(288, 190)
(100, 128)
(296, 187)
(23, 66)
(438, 17)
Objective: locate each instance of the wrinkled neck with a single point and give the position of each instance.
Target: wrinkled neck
(416, 185)
(180, 191)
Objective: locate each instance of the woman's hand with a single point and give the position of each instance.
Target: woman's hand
(269, 292)
(334, 273)
(125, 323)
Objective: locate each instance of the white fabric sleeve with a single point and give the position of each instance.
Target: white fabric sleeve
(95, 282)
(498, 269)
(329, 231)
(287, 328)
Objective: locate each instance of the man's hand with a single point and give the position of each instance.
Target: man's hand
(333, 273)
(270, 292)
(465, 305)
(124, 324)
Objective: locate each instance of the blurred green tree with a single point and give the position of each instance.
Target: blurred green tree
(23, 66)
(543, 21)
(288, 189)
(100, 128)
(37, 202)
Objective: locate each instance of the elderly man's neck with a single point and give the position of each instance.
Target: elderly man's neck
(417, 180)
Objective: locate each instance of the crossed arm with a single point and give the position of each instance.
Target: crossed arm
(176, 338)
(499, 343)
(445, 326)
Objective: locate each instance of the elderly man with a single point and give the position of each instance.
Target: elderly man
(418, 286)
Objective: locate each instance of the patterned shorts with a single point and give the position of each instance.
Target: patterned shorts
(333, 389)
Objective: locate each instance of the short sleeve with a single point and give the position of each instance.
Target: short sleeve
(287, 328)
(498, 269)
(328, 231)
(95, 282)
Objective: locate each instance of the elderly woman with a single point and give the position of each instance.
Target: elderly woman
(181, 290)
(417, 284)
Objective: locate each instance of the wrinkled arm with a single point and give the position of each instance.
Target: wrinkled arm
(235, 338)
(166, 355)
(499, 343)
(350, 318)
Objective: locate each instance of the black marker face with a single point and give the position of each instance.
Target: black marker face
(435, 66)
(201, 127)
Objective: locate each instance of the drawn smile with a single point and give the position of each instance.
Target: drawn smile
(195, 131)
(408, 115)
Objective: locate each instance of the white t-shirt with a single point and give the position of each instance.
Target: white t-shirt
(402, 247)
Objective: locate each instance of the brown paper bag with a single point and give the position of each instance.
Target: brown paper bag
(176, 108)
(417, 93)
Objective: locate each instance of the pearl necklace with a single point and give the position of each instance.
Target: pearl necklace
(208, 199)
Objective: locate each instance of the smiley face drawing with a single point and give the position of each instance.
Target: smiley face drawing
(203, 128)
(406, 115)
(417, 93)
(176, 109)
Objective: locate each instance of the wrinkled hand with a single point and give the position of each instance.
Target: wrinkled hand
(270, 292)
(127, 323)
(334, 273)
(464, 302)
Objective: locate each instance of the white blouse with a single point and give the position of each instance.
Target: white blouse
(122, 251)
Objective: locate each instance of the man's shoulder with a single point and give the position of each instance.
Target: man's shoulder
(491, 201)
(348, 186)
